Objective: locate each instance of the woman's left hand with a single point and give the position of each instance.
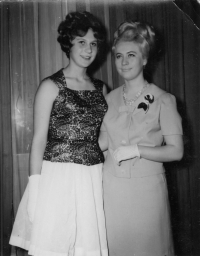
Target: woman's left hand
(126, 152)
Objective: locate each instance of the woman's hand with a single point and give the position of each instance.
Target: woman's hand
(126, 152)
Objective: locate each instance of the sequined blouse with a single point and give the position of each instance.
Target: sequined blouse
(75, 122)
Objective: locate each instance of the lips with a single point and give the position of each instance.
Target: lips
(126, 70)
(86, 57)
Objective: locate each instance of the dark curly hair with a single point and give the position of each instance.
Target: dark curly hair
(78, 24)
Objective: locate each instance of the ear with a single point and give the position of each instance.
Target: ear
(144, 62)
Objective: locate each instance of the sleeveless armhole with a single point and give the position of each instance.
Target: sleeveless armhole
(57, 78)
(98, 84)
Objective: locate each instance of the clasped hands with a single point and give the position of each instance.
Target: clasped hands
(126, 152)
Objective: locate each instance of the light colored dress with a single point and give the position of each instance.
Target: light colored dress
(69, 218)
(135, 193)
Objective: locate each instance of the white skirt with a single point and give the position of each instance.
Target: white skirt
(69, 218)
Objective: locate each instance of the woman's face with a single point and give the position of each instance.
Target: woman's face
(84, 50)
(129, 60)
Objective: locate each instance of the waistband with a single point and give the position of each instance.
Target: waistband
(137, 167)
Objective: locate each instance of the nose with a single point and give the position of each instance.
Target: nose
(88, 48)
(124, 61)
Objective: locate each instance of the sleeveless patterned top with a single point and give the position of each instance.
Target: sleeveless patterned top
(74, 124)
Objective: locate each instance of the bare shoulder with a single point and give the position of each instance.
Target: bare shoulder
(47, 89)
(49, 86)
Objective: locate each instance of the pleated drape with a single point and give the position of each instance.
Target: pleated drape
(6, 170)
(30, 52)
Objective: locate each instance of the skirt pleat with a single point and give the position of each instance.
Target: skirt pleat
(69, 218)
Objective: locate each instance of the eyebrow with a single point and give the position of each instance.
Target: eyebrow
(81, 38)
(132, 52)
(126, 52)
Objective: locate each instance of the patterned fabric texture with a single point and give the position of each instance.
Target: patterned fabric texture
(74, 124)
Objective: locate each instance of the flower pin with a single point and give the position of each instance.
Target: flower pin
(148, 99)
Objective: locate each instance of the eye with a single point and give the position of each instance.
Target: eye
(82, 42)
(118, 56)
(130, 55)
(94, 44)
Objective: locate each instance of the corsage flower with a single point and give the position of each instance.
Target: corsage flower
(148, 99)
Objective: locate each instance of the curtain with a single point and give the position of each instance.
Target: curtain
(30, 52)
(6, 171)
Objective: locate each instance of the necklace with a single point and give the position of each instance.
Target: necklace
(132, 101)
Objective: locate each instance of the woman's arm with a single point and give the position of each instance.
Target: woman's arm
(103, 141)
(105, 91)
(44, 99)
(103, 144)
(171, 151)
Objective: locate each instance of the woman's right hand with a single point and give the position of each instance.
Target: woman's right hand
(126, 152)
(33, 187)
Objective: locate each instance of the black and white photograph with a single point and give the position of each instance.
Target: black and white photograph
(100, 127)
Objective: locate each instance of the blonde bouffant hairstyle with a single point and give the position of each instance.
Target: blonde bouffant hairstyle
(141, 33)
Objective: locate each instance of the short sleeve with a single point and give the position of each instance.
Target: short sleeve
(170, 120)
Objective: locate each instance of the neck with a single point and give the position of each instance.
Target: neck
(134, 86)
(75, 72)
(130, 97)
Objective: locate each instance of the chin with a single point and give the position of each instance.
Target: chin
(85, 65)
(127, 77)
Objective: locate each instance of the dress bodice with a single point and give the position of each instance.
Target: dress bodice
(74, 124)
(126, 125)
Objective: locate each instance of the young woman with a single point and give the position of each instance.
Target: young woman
(61, 212)
(141, 129)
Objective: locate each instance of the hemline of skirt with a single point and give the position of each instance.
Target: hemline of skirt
(33, 250)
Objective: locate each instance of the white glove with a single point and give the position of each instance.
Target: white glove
(34, 181)
(126, 152)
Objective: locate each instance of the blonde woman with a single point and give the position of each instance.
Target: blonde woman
(141, 130)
